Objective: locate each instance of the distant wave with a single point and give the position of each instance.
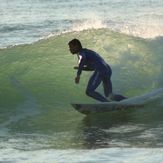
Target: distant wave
(13, 34)
(10, 28)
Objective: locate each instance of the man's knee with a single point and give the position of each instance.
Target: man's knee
(89, 92)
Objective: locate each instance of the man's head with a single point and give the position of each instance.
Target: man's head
(75, 46)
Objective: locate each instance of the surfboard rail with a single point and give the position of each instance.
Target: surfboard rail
(90, 108)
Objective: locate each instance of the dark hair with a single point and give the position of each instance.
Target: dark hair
(75, 42)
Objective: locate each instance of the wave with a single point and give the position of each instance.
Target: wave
(14, 34)
(130, 57)
(37, 80)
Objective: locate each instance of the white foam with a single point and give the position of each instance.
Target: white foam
(89, 24)
(144, 31)
(116, 155)
(148, 97)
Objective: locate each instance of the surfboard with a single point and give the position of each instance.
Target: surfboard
(100, 107)
(132, 102)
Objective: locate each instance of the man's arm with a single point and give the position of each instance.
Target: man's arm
(81, 65)
(77, 79)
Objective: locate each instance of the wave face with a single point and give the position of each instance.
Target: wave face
(37, 87)
(46, 67)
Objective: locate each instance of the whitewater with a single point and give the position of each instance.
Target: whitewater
(37, 122)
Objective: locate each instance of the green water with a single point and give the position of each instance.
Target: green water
(37, 87)
(45, 68)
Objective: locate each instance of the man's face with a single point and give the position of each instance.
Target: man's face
(73, 49)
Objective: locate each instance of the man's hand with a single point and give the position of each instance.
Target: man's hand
(77, 79)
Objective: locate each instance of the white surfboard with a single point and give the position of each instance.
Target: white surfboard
(134, 102)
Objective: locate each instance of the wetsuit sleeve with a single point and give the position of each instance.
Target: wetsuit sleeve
(81, 64)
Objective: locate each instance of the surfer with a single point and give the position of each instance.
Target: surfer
(90, 60)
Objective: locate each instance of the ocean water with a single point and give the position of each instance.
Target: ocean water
(25, 21)
(37, 122)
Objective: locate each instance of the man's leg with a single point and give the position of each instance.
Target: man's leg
(108, 91)
(107, 84)
(93, 83)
